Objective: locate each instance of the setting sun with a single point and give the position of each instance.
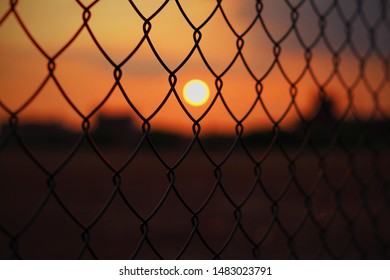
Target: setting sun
(196, 92)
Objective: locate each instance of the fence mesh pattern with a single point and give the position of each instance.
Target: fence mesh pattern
(320, 190)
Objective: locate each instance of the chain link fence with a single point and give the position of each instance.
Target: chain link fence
(296, 172)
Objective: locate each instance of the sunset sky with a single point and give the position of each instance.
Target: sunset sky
(86, 76)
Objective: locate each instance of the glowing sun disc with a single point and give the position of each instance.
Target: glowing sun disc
(196, 92)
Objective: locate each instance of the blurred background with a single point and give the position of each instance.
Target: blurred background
(102, 156)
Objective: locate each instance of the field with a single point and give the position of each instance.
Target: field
(335, 208)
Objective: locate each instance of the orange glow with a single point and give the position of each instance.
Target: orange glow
(84, 77)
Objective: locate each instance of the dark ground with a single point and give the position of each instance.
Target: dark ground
(350, 223)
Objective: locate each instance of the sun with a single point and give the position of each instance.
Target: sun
(196, 92)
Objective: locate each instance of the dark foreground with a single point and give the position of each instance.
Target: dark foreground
(309, 208)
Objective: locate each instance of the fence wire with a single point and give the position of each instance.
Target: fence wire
(321, 191)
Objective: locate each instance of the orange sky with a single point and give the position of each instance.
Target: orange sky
(87, 77)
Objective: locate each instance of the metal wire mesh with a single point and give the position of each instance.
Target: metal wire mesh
(320, 190)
